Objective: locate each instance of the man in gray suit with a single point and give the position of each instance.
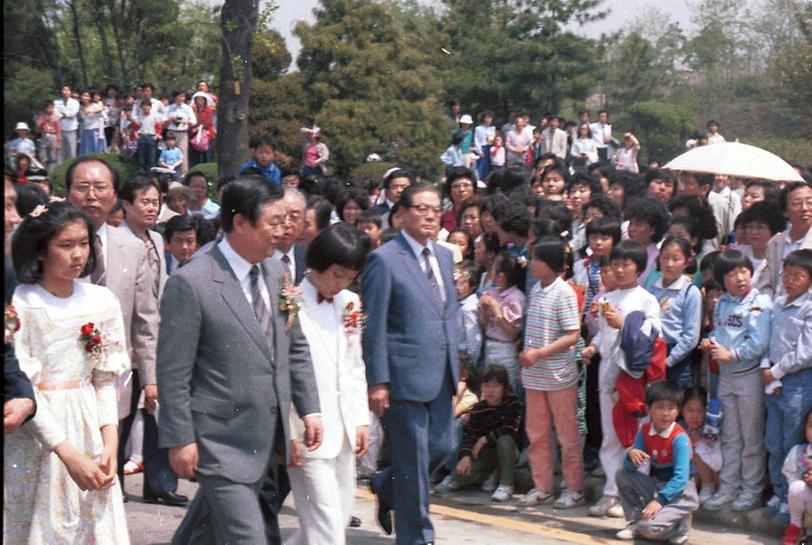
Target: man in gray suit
(229, 364)
(122, 267)
(410, 350)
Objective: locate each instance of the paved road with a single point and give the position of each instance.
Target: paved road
(467, 518)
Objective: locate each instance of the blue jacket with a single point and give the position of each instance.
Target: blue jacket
(742, 325)
(681, 307)
(409, 341)
(271, 172)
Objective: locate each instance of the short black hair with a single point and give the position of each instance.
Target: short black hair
(205, 228)
(556, 211)
(582, 177)
(552, 251)
(29, 196)
(468, 271)
(692, 226)
(513, 217)
(684, 246)
(139, 182)
(32, 236)
(491, 242)
(507, 263)
(728, 261)
(289, 171)
(474, 201)
(650, 211)
(371, 216)
(90, 159)
(397, 173)
(455, 173)
(789, 188)
(322, 209)
(697, 392)
(633, 185)
(631, 250)
(339, 244)
(191, 174)
(407, 197)
(496, 373)
(771, 192)
(766, 213)
(550, 227)
(662, 174)
(664, 390)
(247, 196)
(607, 206)
(351, 194)
(389, 234)
(605, 225)
(506, 180)
(264, 140)
(801, 259)
(177, 224)
(698, 208)
(561, 167)
(708, 260)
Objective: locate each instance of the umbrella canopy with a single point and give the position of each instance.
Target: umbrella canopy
(735, 159)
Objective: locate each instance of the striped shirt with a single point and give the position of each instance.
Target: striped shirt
(552, 311)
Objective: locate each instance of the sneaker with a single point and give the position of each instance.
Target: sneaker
(489, 484)
(705, 494)
(503, 492)
(681, 539)
(604, 505)
(447, 485)
(720, 500)
(781, 518)
(131, 468)
(772, 506)
(536, 497)
(791, 535)
(569, 499)
(745, 502)
(629, 532)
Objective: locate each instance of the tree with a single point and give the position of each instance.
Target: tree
(661, 127)
(238, 20)
(370, 87)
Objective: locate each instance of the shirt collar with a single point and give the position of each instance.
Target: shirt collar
(278, 255)
(553, 283)
(800, 300)
(416, 247)
(665, 433)
(238, 264)
(677, 284)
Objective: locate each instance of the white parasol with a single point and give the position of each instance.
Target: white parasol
(735, 159)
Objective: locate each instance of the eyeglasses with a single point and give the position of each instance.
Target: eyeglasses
(85, 188)
(423, 209)
(461, 185)
(796, 277)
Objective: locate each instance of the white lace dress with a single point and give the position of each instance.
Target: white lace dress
(76, 395)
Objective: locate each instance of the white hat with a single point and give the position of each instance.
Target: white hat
(201, 94)
(22, 126)
(373, 158)
(466, 119)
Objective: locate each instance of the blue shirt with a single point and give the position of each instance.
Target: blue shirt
(674, 469)
(742, 325)
(171, 156)
(270, 172)
(681, 315)
(791, 339)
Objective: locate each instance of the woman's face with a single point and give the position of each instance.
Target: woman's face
(460, 240)
(85, 98)
(752, 195)
(553, 183)
(203, 86)
(66, 254)
(332, 280)
(640, 231)
(679, 230)
(200, 103)
(758, 235)
(479, 252)
(617, 194)
(488, 223)
(537, 187)
(580, 194)
(470, 222)
(461, 189)
(583, 131)
(351, 212)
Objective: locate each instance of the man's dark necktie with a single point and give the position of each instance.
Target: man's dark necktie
(431, 278)
(286, 264)
(99, 274)
(261, 311)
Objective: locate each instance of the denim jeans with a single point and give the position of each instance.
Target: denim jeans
(147, 149)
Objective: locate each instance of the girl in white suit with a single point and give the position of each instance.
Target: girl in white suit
(323, 480)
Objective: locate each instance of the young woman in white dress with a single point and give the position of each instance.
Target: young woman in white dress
(60, 482)
(323, 480)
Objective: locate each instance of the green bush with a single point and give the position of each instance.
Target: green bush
(126, 168)
(371, 171)
(661, 128)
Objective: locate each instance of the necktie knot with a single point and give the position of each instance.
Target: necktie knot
(253, 274)
(426, 253)
(320, 299)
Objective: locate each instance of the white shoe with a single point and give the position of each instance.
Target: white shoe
(447, 485)
(490, 484)
(679, 540)
(719, 500)
(628, 533)
(536, 497)
(604, 505)
(503, 492)
(705, 494)
(569, 499)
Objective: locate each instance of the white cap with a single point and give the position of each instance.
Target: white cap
(373, 158)
(466, 119)
(22, 126)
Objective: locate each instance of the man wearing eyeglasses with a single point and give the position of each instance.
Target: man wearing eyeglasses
(410, 350)
(123, 267)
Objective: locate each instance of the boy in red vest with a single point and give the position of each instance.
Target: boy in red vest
(655, 485)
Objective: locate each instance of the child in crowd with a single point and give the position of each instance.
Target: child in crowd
(50, 139)
(371, 224)
(655, 483)
(490, 436)
(740, 337)
(148, 133)
(497, 154)
(797, 470)
(680, 309)
(128, 129)
(788, 365)
(463, 240)
(627, 260)
(466, 398)
(453, 155)
(172, 157)
(648, 221)
(554, 180)
(264, 152)
(486, 247)
(707, 453)
(550, 376)
(602, 235)
(466, 277)
(501, 313)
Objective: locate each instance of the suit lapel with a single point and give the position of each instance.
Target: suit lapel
(417, 271)
(446, 268)
(234, 298)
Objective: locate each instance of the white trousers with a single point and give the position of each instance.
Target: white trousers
(611, 452)
(324, 493)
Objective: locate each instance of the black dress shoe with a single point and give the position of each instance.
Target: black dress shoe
(169, 498)
(384, 516)
(355, 522)
(125, 497)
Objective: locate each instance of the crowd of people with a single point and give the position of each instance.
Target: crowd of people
(653, 327)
